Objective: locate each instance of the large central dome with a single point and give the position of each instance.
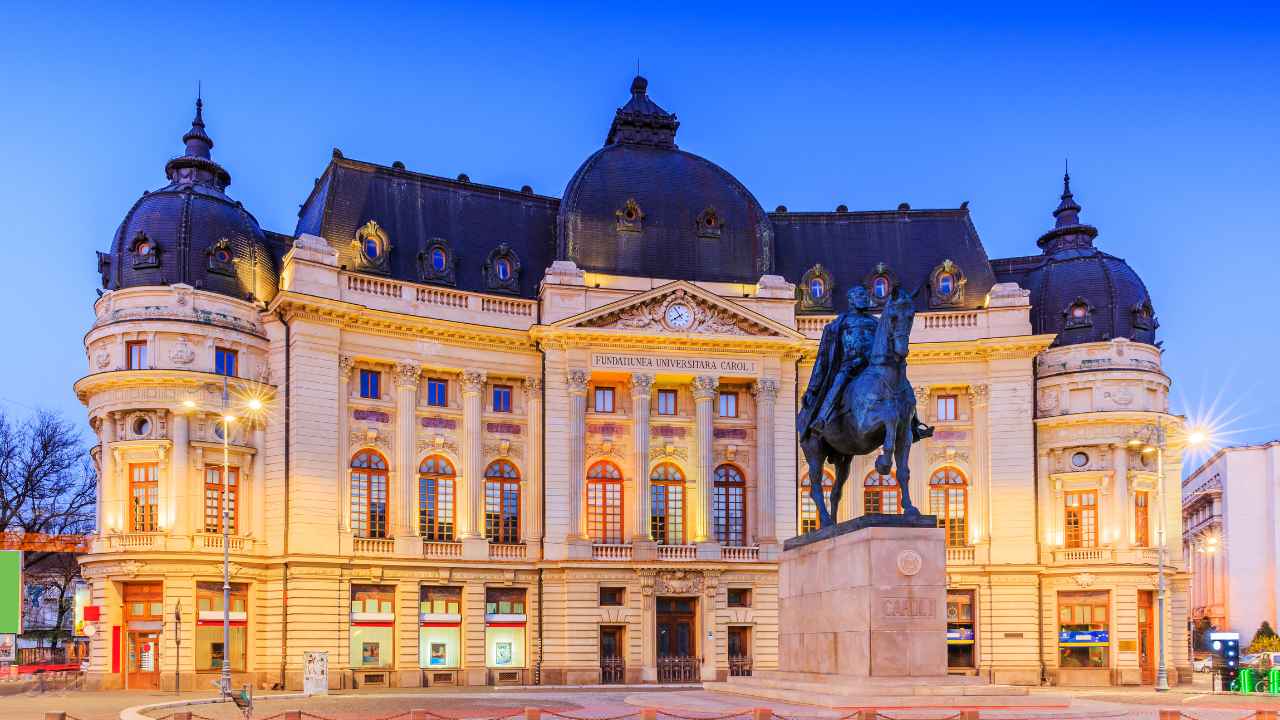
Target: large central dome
(640, 206)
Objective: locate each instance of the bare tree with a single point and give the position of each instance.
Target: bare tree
(47, 480)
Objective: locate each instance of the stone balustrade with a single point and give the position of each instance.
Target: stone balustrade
(507, 552)
(602, 551)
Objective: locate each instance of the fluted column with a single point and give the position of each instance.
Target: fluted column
(345, 366)
(766, 392)
(1123, 501)
(109, 513)
(533, 474)
(471, 497)
(578, 381)
(258, 513)
(179, 483)
(981, 506)
(406, 379)
(641, 390)
(704, 392)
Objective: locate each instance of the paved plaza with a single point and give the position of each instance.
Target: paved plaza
(623, 702)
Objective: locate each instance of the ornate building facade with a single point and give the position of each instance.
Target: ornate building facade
(486, 436)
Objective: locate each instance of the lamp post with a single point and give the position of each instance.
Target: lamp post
(225, 678)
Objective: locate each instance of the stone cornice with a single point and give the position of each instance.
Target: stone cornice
(614, 339)
(1005, 348)
(293, 305)
(162, 385)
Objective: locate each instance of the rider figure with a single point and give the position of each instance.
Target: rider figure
(843, 352)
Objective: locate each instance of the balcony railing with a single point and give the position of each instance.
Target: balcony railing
(374, 546)
(434, 549)
(962, 555)
(677, 553)
(507, 552)
(133, 541)
(213, 541)
(740, 666)
(603, 551)
(734, 553)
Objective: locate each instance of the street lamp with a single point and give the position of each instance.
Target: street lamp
(1156, 441)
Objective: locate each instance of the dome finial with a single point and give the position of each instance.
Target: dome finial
(197, 140)
(641, 121)
(1068, 211)
(196, 165)
(1068, 232)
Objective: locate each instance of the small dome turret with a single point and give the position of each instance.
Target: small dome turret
(191, 232)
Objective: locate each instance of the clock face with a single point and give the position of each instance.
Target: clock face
(679, 316)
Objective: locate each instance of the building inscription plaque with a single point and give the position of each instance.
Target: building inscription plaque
(674, 363)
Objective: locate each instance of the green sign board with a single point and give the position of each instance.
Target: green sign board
(10, 591)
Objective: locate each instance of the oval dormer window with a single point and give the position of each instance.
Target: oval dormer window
(222, 256)
(143, 248)
(439, 260)
(371, 248)
(880, 287)
(817, 288)
(502, 268)
(141, 427)
(1079, 311)
(946, 284)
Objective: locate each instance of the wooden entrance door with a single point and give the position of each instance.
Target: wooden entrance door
(677, 640)
(144, 619)
(1146, 637)
(613, 670)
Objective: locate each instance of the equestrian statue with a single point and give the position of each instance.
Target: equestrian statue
(859, 398)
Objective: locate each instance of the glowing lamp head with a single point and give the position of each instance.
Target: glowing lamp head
(1134, 442)
(228, 418)
(1196, 438)
(255, 404)
(188, 403)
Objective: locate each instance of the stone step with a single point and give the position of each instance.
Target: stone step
(882, 694)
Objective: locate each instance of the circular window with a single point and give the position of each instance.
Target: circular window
(711, 221)
(503, 268)
(946, 284)
(629, 213)
(438, 259)
(143, 248)
(141, 426)
(817, 288)
(1079, 311)
(222, 256)
(1080, 459)
(880, 287)
(371, 248)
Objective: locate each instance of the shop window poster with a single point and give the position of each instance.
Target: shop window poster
(369, 655)
(437, 653)
(502, 653)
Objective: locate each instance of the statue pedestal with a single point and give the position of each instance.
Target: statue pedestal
(862, 622)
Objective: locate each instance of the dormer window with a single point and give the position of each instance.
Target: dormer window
(436, 262)
(1144, 316)
(502, 269)
(1078, 314)
(948, 284)
(630, 216)
(220, 260)
(372, 247)
(146, 253)
(880, 283)
(709, 223)
(880, 288)
(815, 289)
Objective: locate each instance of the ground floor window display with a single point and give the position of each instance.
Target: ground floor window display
(504, 627)
(440, 627)
(209, 641)
(1084, 629)
(372, 626)
(960, 630)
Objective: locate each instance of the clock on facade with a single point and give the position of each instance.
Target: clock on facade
(679, 316)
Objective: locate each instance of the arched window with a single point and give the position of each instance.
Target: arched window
(502, 503)
(368, 495)
(604, 503)
(949, 500)
(436, 479)
(808, 510)
(880, 494)
(666, 504)
(880, 287)
(439, 260)
(817, 288)
(728, 506)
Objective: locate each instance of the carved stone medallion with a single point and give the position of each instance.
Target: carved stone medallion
(909, 562)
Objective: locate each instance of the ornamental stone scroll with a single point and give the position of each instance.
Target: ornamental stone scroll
(705, 387)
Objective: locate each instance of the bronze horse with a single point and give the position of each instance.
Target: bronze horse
(877, 409)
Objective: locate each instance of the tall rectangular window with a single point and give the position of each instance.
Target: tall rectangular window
(136, 355)
(666, 402)
(502, 511)
(144, 497)
(728, 404)
(502, 398)
(210, 648)
(224, 362)
(1081, 516)
(1141, 518)
(603, 400)
(213, 498)
(370, 384)
(437, 392)
(946, 408)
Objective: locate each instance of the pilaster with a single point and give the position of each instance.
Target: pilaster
(766, 393)
(471, 495)
(1123, 496)
(345, 366)
(533, 474)
(180, 485)
(258, 513)
(704, 392)
(578, 381)
(643, 546)
(404, 519)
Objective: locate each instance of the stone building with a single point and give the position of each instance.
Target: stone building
(1230, 538)
(507, 437)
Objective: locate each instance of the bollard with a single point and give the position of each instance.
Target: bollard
(761, 713)
(182, 715)
(648, 713)
(55, 716)
(968, 715)
(867, 714)
(1265, 715)
(292, 715)
(1170, 715)
(418, 715)
(532, 713)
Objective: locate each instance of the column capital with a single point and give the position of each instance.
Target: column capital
(979, 394)
(407, 373)
(346, 364)
(532, 385)
(765, 388)
(473, 381)
(705, 387)
(922, 393)
(578, 380)
(641, 384)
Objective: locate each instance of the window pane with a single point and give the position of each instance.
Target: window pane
(727, 506)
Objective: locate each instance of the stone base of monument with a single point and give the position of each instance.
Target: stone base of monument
(862, 622)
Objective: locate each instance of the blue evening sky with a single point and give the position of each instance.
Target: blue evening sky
(1170, 117)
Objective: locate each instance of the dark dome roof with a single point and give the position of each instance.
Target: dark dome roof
(190, 231)
(640, 206)
(1078, 292)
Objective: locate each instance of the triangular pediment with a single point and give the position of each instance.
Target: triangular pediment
(679, 307)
